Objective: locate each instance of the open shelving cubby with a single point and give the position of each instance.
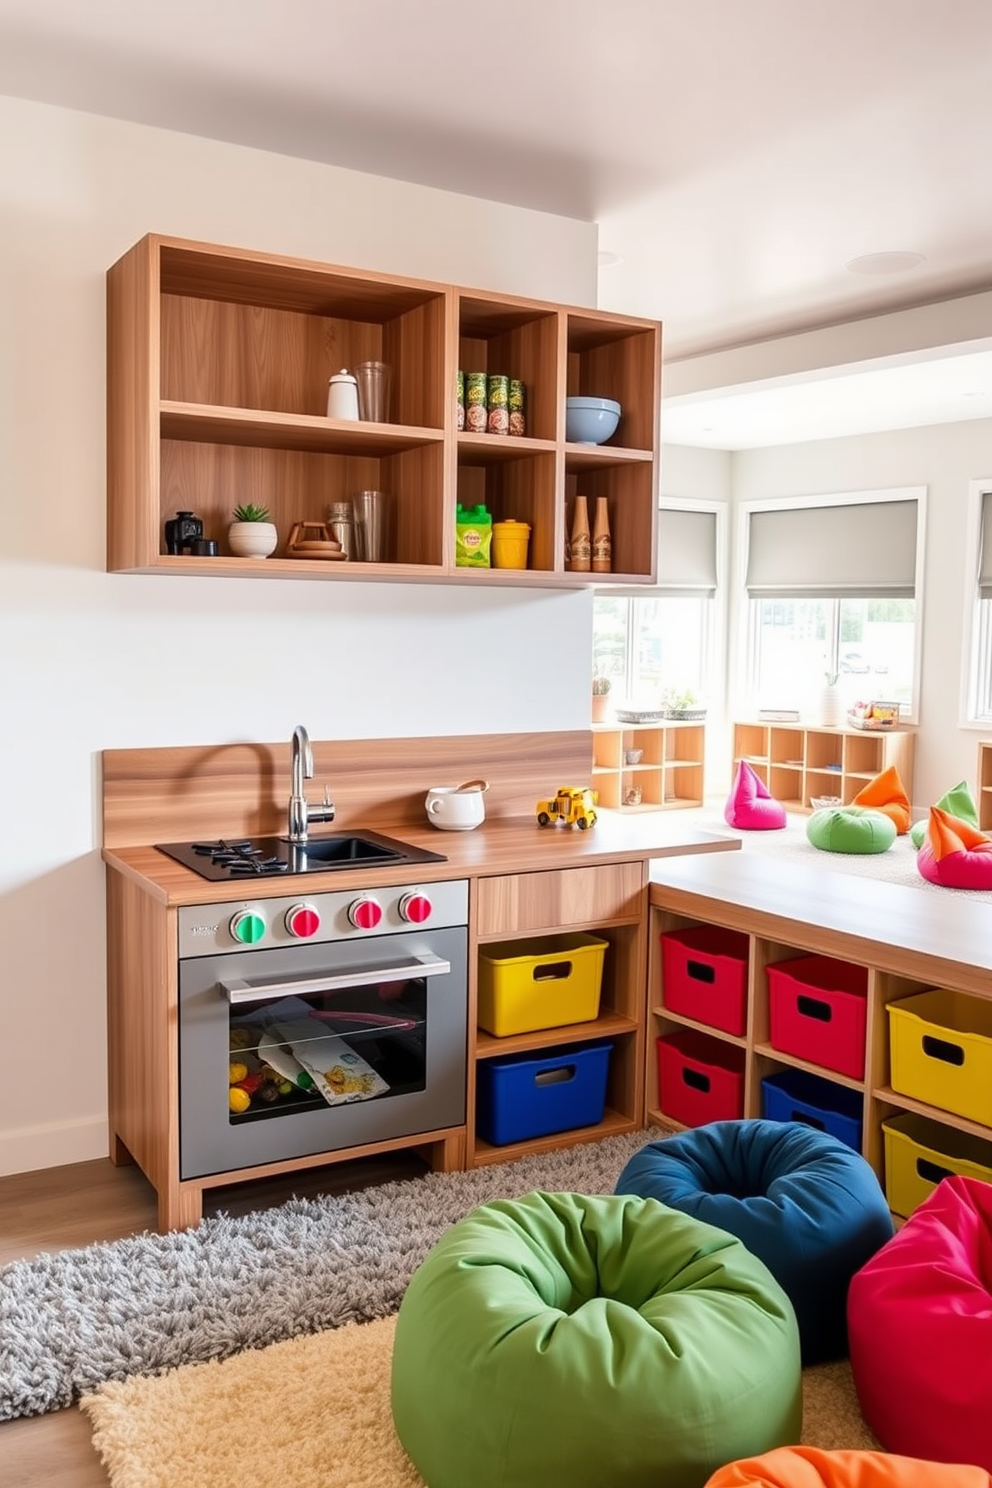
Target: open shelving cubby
(797, 762)
(218, 362)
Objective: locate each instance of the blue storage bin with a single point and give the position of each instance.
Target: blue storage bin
(795, 1095)
(520, 1097)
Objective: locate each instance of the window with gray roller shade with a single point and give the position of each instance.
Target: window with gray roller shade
(985, 551)
(686, 557)
(859, 550)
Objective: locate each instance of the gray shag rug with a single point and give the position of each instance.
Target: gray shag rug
(73, 1319)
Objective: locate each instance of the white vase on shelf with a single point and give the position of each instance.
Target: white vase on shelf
(831, 705)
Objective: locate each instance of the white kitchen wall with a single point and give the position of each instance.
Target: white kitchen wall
(91, 661)
(945, 458)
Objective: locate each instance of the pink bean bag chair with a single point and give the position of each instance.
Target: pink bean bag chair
(750, 805)
(812, 1467)
(919, 1321)
(955, 854)
(887, 793)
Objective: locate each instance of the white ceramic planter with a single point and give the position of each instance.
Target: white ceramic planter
(252, 539)
(831, 706)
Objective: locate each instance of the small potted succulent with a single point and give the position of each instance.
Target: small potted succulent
(600, 693)
(252, 534)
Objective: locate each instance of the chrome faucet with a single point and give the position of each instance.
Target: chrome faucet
(301, 813)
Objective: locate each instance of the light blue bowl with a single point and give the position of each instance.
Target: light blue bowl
(590, 420)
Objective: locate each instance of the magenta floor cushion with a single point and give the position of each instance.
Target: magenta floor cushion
(919, 1320)
(955, 854)
(750, 805)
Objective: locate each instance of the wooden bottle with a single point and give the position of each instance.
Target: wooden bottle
(580, 542)
(602, 542)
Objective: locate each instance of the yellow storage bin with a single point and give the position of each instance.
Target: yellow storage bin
(920, 1152)
(556, 980)
(940, 1051)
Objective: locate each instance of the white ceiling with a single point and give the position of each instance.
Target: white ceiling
(735, 156)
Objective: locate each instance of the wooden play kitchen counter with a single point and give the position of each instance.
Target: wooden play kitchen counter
(894, 943)
(519, 882)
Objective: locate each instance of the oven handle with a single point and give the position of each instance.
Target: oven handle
(236, 990)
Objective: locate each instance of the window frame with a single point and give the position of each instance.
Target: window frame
(976, 653)
(713, 648)
(745, 645)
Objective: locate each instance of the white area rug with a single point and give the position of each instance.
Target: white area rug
(790, 845)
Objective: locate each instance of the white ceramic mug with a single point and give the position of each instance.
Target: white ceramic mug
(454, 809)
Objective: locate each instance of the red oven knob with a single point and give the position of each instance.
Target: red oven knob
(302, 921)
(364, 914)
(416, 908)
(247, 926)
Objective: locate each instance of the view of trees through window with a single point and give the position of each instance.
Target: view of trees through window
(649, 647)
(868, 643)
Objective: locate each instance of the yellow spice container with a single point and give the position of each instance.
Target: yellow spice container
(510, 542)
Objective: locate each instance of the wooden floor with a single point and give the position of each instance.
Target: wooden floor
(61, 1208)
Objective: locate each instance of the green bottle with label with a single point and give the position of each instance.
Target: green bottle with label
(473, 537)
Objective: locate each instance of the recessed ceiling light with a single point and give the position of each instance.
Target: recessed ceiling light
(885, 263)
(608, 259)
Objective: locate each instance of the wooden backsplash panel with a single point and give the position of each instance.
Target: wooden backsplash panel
(205, 791)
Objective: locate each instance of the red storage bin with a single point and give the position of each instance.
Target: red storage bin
(699, 1078)
(818, 1012)
(704, 975)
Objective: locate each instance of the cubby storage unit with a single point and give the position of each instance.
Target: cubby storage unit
(668, 774)
(984, 792)
(521, 919)
(218, 362)
(797, 763)
(901, 952)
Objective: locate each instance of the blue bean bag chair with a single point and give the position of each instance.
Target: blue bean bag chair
(591, 1340)
(801, 1200)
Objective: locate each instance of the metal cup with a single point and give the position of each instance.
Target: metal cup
(371, 525)
(374, 382)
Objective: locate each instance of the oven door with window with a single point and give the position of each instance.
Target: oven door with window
(294, 1051)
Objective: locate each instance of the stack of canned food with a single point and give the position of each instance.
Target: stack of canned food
(491, 403)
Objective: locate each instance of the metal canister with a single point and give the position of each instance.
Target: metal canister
(341, 525)
(459, 400)
(499, 404)
(516, 404)
(476, 385)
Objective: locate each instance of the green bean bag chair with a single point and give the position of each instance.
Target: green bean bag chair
(591, 1340)
(851, 829)
(957, 802)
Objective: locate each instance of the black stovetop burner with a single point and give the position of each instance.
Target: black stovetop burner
(269, 857)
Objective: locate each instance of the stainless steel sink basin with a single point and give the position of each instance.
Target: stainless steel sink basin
(347, 850)
(269, 857)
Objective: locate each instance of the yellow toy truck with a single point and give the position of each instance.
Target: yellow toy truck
(571, 806)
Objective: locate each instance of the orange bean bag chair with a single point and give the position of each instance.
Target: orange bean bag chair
(811, 1467)
(887, 793)
(955, 854)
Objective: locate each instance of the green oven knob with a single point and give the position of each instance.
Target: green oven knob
(247, 926)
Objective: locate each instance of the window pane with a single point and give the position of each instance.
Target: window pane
(869, 643)
(610, 621)
(650, 646)
(875, 658)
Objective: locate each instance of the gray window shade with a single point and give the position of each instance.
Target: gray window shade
(687, 552)
(851, 551)
(985, 554)
(686, 558)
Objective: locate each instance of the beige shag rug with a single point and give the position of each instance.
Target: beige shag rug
(316, 1410)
